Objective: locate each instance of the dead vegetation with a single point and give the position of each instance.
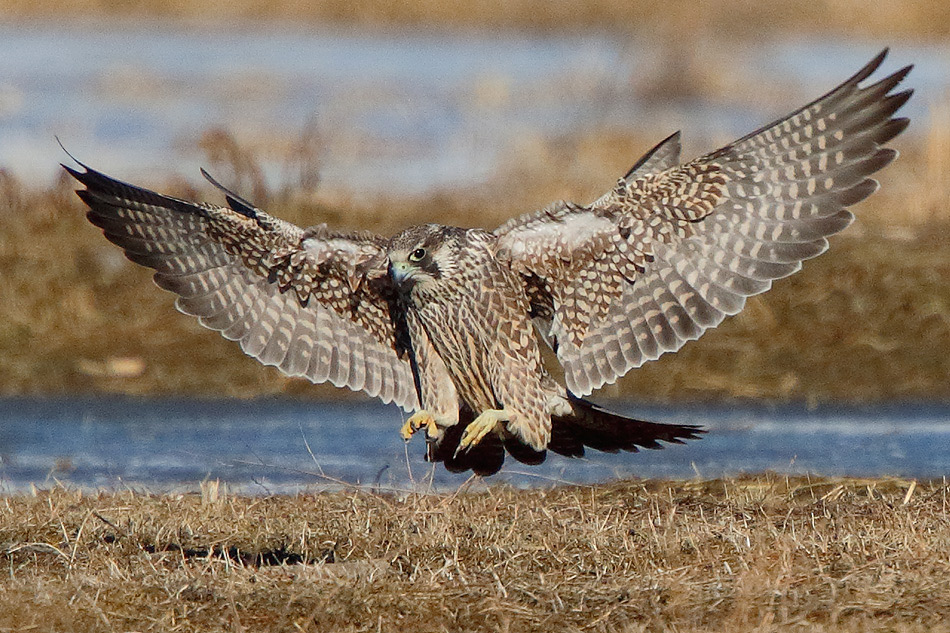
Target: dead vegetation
(760, 553)
(721, 19)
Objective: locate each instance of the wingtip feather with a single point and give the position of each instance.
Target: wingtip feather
(869, 68)
(236, 202)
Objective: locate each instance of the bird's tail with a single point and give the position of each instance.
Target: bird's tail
(591, 426)
(587, 426)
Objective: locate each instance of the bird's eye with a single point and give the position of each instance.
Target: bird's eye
(417, 255)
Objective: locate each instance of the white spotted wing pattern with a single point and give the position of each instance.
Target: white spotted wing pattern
(306, 301)
(673, 249)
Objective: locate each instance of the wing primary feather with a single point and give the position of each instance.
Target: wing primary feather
(236, 202)
(663, 155)
(233, 267)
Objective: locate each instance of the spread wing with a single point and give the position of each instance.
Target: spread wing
(312, 302)
(673, 249)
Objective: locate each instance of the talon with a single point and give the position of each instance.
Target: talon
(480, 427)
(418, 420)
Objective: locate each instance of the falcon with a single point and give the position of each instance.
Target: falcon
(450, 323)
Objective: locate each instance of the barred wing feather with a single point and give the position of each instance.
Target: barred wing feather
(311, 302)
(673, 249)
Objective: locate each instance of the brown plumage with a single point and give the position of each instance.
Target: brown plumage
(446, 322)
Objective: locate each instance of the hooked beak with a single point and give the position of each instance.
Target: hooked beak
(400, 272)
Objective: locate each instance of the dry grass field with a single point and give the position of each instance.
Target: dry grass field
(868, 321)
(764, 553)
(895, 19)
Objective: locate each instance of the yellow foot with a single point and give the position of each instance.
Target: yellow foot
(418, 420)
(480, 427)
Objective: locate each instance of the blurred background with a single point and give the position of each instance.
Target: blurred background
(379, 115)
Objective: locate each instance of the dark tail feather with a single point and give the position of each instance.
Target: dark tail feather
(589, 426)
(521, 451)
(594, 427)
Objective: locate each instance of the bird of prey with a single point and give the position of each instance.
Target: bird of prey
(449, 323)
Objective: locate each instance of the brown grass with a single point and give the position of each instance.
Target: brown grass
(690, 20)
(763, 553)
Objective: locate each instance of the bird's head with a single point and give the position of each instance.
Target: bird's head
(424, 256)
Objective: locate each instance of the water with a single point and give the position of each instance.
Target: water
(400, 112)
(269, 446)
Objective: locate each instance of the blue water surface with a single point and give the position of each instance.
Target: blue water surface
(283, 445)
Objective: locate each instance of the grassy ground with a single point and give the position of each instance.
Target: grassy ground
(762, 553)
(686, 20)
(868, 321)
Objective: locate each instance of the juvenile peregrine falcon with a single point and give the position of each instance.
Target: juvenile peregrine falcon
(446, 322)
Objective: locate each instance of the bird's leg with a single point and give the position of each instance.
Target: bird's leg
(480, 427)
(418, 420)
